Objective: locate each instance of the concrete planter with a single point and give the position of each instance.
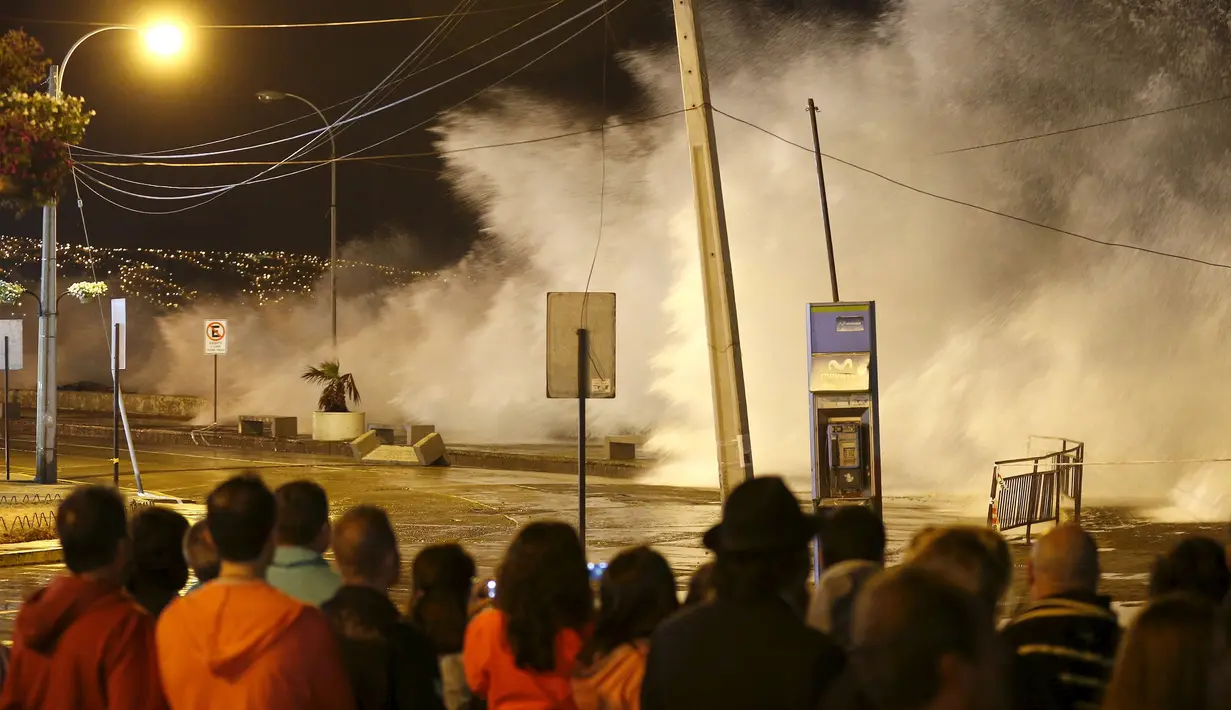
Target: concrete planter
(338, 426)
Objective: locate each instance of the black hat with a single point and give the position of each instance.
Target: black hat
(761, 514)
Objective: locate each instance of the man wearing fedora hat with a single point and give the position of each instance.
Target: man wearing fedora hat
(749, 647)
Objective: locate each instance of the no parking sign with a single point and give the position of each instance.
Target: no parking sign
(215, 337)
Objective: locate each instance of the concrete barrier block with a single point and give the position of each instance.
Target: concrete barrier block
(621, 450)
(416, 432)
(268, 426)
(387, 453)
(384, 432)
(365, 445)
(430, 449)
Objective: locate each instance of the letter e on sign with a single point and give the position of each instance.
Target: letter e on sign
(215, 337)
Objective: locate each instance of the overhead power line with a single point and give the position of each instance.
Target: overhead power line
(280, 26)
(312, 115)
(1087, 126)
(973, 206)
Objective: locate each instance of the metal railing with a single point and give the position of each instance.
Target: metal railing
(1039, 495)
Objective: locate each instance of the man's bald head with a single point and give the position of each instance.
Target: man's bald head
(366, 547)
(1064, 560)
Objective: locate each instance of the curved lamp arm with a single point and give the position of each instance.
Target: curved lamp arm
(68, 55)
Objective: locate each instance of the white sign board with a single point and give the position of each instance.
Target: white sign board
(567, 312)
(216, 337)
(119, 316)
(11, 329)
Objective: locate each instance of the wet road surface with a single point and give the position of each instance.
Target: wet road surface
(483, 510)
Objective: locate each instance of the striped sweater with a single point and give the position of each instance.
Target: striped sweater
(1064, 648)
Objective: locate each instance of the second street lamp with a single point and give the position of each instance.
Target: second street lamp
(266, 97)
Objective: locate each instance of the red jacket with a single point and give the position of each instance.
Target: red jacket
(81, 643)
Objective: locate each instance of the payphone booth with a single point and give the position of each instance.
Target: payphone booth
(845, 421)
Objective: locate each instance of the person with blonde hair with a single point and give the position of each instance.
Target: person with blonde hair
(1168, 657)
(974, 558)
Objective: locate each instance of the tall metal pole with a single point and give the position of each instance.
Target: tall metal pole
(722, 326)
(45, 427)
(115, 407)
(583, 391)
(820, 176)
(7, 458)
(333, 239)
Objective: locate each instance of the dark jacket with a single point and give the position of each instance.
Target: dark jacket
(725, 654)
(81, 643)
(1064, 648)
(392, 665)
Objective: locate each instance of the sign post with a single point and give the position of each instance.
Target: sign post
(581, 349)
(11, 329)
(119, 317)
(215, 344)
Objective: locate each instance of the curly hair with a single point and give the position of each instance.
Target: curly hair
(544, 588)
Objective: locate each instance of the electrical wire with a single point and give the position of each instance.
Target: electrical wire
(277, 26)
(973, 206)
(1087, 126)
(313, 115)
(602, 197)
(214, 194)
(316, 133)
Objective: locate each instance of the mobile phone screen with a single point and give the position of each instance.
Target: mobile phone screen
(596, 570)
(491, 589)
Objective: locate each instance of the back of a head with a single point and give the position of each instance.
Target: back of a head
(1197, 565)
(199, 552)
(637, 594)
(1066, 560)
(363, 543)
(240, 514)
(158, 559)
(975, 558)
(906, 622)
(701, 585)
(543, 586)
(303, 510)
(441, 578)
(1167, 657)
(852, 532)
(91, 523)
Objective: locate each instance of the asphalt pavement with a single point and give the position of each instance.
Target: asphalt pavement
(483, 509)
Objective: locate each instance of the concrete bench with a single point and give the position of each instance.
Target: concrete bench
(623, 448)
(384, 432)
(268, 426)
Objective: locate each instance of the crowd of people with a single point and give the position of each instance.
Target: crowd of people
(271, 624)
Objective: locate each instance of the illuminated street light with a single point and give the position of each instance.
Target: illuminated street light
(163, 40)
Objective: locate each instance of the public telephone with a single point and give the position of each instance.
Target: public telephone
(842, 386)
(846, 458)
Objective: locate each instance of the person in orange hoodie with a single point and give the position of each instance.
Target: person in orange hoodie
(237, 643)
(520, 655)
(81, 641)
(636, 594)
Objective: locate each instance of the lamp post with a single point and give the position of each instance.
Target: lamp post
(266, 97)
(161, 39)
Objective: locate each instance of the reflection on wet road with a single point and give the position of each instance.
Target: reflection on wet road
(483, 509)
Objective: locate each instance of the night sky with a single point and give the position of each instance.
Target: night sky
(209, 93)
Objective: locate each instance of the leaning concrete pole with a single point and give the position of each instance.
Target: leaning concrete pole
(722, 326)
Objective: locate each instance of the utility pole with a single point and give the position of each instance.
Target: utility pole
(820, 176)
(722, 326)
(45, 427)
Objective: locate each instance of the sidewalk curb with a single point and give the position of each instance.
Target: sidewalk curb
(48, 553)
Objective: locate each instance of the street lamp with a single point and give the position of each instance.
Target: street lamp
(266, 97)
(160, 39)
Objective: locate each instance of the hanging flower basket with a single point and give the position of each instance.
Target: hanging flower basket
(10, 292)
(85, 290)
(36, 130)
(35, 133)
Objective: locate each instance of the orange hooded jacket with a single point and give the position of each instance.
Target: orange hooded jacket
(247, 646)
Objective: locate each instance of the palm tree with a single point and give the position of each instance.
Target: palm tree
(337, 387)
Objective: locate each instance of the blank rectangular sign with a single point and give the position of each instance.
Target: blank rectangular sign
(119, 315)
(11, 328)
(566, 313)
